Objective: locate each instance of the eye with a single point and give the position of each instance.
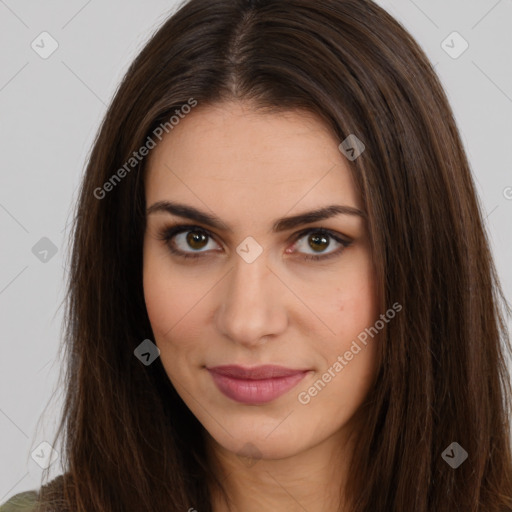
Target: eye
(185, 237)
(179, 239)
(318, 239)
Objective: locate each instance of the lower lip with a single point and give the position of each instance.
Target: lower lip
(254, 392)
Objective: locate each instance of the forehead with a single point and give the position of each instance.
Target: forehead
(230, 155)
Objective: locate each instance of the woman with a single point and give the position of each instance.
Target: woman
(281, 293)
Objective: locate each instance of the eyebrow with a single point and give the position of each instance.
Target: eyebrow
(282, 224)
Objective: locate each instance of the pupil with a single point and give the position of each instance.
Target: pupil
(195, 236)
(318, 239)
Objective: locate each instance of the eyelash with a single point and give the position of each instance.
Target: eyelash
(168, 233)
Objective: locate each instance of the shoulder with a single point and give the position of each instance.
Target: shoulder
(49, 495)
(21, 502)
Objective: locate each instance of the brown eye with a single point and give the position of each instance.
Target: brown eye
(189, 242)
(318, 242)
(186, 241)
(196, 239)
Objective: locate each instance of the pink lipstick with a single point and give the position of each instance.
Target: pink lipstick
(256, 385)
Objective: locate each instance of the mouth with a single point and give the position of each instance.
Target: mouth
(256, 385)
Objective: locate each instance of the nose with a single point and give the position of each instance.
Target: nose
(252, 303)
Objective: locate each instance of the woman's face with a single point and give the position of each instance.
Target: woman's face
(252, 297)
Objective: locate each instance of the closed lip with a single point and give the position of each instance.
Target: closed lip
(267, 371)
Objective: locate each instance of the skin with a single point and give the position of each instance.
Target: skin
(250, 168)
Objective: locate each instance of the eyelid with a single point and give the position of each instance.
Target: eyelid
(170, 231)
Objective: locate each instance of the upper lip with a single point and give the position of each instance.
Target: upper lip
(266, 371)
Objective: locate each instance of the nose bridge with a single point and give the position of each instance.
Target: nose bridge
(250, 308)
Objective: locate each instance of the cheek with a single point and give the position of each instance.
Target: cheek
(357, 348)
(354, 310)
(355, 302)
(163, 295)
(175, 309)
(160, 299)
(165, 290)
(165, 309)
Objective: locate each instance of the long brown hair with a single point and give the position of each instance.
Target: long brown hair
(130, 443)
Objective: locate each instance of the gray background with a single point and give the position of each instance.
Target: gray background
(51, 108)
